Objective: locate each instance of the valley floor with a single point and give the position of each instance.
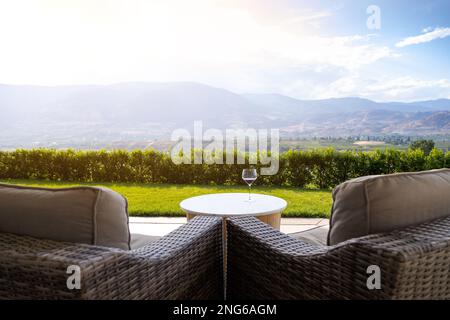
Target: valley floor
(163, 199)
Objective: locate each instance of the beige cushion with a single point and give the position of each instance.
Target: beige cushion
(140, 240)
(316, 236)
(89, 215)
(375, 204)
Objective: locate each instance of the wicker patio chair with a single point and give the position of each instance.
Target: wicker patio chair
(266, 264)
(185, 264)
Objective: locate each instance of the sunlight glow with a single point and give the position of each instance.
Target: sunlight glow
(239, 45)
(66, 42)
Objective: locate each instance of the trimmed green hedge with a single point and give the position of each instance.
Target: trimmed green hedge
(323, 168)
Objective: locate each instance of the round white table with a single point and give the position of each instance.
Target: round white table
(266, 208)
(225, 205)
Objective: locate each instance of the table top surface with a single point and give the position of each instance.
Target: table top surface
(233, 204)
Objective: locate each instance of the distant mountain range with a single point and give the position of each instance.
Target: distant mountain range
(38, 115)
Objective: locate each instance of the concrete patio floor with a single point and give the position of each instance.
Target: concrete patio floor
(160, 226)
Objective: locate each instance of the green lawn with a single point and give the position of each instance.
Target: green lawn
(163, 199)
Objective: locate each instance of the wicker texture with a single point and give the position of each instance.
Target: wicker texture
(266, 264)
(185, 264)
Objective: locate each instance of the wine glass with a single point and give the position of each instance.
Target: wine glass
(249, 176)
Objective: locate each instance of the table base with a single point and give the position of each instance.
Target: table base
(271, 219)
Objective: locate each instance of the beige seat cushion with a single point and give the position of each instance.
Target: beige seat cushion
(91, 215)
(375, 204)
(140, 240)
(316, 236)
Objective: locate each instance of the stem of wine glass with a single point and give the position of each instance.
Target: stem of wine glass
(249, 189)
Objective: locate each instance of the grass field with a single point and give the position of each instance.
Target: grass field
(163, 199)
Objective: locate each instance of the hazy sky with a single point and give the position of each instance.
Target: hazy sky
(305, 49)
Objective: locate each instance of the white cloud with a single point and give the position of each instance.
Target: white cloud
(349, 52)
(388, 88)
(427, 36)
(409, 89)
(314, 19)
